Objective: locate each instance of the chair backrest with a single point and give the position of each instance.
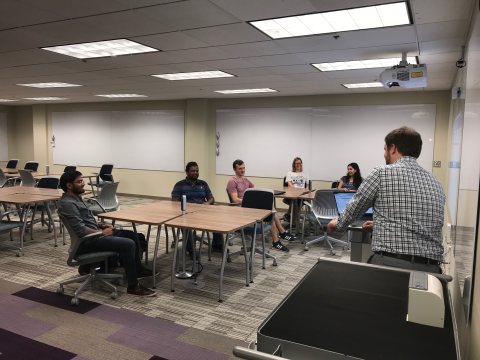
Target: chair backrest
(106, 172)
(48, 182)
(285, 184)
(335, 184)
(257, 198)
(229, 197)
(70, 168)
(3, 178)
(324, 204)
(74, 241)
(108, 196)
(27, 178)
(31, 165)
(12, 164)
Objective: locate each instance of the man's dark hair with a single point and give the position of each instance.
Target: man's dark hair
(189, 165)
(407, 141)
(237, 162)
(68, 177)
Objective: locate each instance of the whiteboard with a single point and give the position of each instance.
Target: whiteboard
(345, 134)
(326, 138)
(267, 140)
(148, 140)
(3, 137)
(470, 161)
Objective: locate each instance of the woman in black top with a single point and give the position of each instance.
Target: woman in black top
(353, 179)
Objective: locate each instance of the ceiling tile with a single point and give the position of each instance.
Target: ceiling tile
(77, 8)
(276, 60)
(28, 57)
(140, 3)
(188, 67)
(431, 11)
(171, 41)
(322, 5)
(20, 39)
(441, 30)
(228, 34)
(440, 46)
(32, 70)
(255, 49)
(351, 74)
(138, 24)
(257, 71)
(450, 57)
(71, 32)
(292, 69)
(229, 64)
(248, 10)
(189, 14)
(13, 13)
(202, 54)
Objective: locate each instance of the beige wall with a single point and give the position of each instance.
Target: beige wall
(33, 131)
(8, 110)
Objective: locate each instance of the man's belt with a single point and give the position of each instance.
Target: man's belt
(411, 258)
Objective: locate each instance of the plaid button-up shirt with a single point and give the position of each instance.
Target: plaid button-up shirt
(408, 208)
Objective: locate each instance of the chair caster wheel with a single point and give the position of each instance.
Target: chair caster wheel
(346, 248)
(274, 263)
(20, 253)
(120, 282)
(332, 252)
(229, 260)
(75, 301)
(114, 295)
(60, 290)
(306, 248)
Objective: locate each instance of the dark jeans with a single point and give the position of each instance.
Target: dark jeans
(377, 259)
(122, 242)
(217, 240)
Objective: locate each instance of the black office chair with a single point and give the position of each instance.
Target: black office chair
(12, 164)
(335, 184)
(104, 176)
(31, 165)
(285, 184)
(46, 182)
(69, 168)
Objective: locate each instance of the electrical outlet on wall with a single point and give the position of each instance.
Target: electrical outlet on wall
(437, 164)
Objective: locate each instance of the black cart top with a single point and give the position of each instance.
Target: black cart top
(359, 311)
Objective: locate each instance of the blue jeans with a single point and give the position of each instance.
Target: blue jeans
(123, 243)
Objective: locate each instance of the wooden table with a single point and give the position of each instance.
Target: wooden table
(292, 194)
(24, 196)
(218, 219)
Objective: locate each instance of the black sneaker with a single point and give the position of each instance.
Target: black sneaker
(279, 246)
(140, 290)
(287, 236)
(145, 273)
(286, 218)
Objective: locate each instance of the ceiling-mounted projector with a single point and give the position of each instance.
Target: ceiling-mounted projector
(405, 75)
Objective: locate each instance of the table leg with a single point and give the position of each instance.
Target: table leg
(245, 252)
(292, 202)
(195, 284)
(50, 217)
(263, 244)
(22, 234)
(137, 242)
(184, 274)
(166, 239)
(148, 239)
(154, 268)
(174, 264)
(209, 247)
(254, 247)
(303, 226)
(222, 269)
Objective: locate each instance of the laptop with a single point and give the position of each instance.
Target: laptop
(342, 198)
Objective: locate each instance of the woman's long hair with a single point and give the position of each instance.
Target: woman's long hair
(293, 164)
(357, 177)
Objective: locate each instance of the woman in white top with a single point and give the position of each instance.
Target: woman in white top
(295, 178)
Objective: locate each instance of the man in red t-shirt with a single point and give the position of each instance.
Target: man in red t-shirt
(236, 188)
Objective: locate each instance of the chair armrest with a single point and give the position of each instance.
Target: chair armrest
(93, 199)
(89, 236)
(306, 203)
(8, 213)
(10, 179)
(110, 176)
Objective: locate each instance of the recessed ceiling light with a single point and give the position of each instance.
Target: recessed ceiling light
(46, 98)
(368, 17)
(6, 100)
(245, 91)
(195, 75)
(122, 95)
(101, 49)
(49, 85)
(363, 64)
(363, 85)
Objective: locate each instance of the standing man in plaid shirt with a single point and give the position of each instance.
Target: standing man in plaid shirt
(407, 206)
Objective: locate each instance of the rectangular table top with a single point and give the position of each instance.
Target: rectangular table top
(257, 214)
(21, 199)
(308, 196)
(290, 193)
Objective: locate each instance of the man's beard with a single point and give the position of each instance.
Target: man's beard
(387, 159)
(78, 191)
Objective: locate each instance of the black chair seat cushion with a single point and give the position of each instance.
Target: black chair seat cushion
(94, 255)
(9, 225)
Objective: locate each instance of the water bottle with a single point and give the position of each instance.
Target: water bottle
(48, 169)
(184, 204)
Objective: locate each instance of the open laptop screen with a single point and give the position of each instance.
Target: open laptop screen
(343, 198)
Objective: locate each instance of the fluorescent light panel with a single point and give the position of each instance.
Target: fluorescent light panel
(6, 100)
(46, 98)
(49, 85)
(195, 75)
(362, 64)
(101, 49)
(363, 85)
(368, 17)
(122, 95)
(246, 91)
